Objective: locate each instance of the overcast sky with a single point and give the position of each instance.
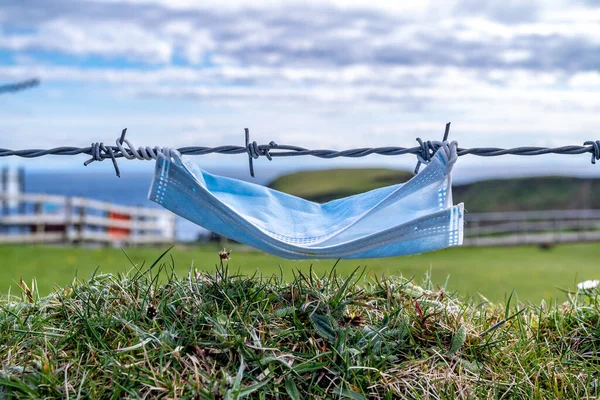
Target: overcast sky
(318, 74)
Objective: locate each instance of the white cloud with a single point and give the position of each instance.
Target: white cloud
(400, 7)
(585, 80)
(329, 33)
(106, 38)
(512, 56)
(317, 73)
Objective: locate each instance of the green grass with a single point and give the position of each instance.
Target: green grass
(221, 336)
(534, 274)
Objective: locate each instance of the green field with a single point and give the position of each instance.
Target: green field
(533, 273)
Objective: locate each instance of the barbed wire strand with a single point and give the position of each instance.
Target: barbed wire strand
(424, 152)
(16, 87)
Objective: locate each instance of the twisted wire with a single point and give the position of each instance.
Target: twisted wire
(254, 151)
(596, 147)
(15, 87)
(424, 151)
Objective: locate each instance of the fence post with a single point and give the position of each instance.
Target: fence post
(21, 185)
(40, 227)
(4, 189)
(69, 227)
(81, 222)
(476, 231)
(136, 221)
(555, 226)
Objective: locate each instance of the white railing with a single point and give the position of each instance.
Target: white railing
(40, 218)
(532, 227)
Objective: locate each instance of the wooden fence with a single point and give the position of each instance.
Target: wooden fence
(532, 227)
(41, 218)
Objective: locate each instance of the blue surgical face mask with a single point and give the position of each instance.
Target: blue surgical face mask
(409, 218)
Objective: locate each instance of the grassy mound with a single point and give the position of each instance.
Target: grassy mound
(225, 336)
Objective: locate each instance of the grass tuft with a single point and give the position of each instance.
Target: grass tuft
(224, 335)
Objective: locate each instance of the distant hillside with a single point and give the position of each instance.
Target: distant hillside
(325, 185)
(522, 194)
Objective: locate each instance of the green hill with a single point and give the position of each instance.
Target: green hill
(325, 185)
(522, 194)
(529, 194)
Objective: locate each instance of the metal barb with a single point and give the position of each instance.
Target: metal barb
(123, 133)
(428, 149)
(251, 151)
(446, 132)
(595, 149)
(100, 152)
(255, 150)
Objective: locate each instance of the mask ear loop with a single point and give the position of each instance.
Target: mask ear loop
(141, 153)
(450, 155)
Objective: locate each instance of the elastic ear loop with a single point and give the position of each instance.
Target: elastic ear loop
(144, 153)
(451, 153)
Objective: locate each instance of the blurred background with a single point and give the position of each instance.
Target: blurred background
(318, 74)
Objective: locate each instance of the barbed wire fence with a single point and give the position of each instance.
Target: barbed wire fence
(17, 87)
(424, 151)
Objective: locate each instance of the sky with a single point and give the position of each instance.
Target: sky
(318, 74)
